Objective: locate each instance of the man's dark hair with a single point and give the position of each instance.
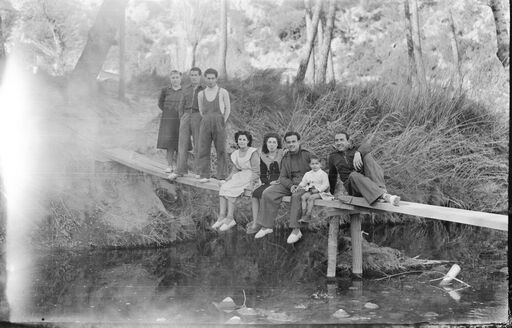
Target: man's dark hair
(343, 132)
(267, 136)
(211, 71)
(291, 133)
(175, 72)
(247, 134)
(196, 69)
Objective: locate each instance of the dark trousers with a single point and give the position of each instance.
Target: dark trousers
(213, 128)
(189, 126)
(270, 202)
(370, 184)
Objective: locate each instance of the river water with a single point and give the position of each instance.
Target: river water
(278, 283)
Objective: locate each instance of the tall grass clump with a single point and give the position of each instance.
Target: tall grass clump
(436, 146)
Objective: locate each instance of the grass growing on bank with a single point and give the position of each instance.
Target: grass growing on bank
(436, 147)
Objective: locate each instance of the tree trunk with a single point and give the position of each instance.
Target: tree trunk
(501, 32)
(455, 50)
(326, 44)
(223, 39)
(301, 72)
(311, 70)
(122, 48)
(331, 64)
(100, 39)
(418, 56)
(410, 44)
(194, 49)
(2, 51)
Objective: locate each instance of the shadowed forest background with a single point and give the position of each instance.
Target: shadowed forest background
(425, 82)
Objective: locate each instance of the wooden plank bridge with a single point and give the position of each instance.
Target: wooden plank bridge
(347, 205)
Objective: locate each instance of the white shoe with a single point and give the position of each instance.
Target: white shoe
(294, 236)
(204, 180)
(221, 182)
(218, 223)
(393, 199)
(263, 232)
(227, 225)
(168, 170)
(172, 176)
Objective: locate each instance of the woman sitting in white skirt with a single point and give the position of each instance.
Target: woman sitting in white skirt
(244, 178)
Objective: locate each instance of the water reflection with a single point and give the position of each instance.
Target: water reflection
(279, 282)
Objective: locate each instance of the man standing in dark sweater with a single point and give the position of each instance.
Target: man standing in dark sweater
(358, 170)
(294, 165)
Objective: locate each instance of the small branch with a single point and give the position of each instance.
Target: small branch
(397, 274)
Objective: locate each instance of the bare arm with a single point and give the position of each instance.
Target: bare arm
(325, 183)
(200, 101)
(255, 169)
(227, 104)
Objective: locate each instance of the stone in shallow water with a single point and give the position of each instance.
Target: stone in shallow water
(234, 320)
(341, 314)
(372, 306)
(279, 317)
(227, 305)
(431, 314)
(247, 311)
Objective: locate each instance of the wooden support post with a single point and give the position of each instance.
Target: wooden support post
(332, 246)
(357, 245)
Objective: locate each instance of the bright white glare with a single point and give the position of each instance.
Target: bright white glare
(17, 130)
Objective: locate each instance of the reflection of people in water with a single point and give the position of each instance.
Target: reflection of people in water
(169, 102)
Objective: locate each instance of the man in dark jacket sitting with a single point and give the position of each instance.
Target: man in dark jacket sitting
(358, 170)
(294, 165)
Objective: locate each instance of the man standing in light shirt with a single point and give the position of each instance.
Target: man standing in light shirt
(215, 107)
(190, 121)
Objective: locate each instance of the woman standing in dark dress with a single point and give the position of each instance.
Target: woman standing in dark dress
(169, 103)
(270, 160)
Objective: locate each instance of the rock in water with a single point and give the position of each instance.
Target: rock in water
(247, 311)
(234, 320)
(431, 314)
(227, 305)
(341, 314)
(371, 306)
(279, 317)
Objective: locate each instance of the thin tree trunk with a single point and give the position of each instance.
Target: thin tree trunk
(316, 48)
(326, 44)
(418, 55)
(501, 32)
(194, 49)
(301, 72)
(122, 73)
(331, 64)
(99, 41)
(223, 38)
(455, 50)
(410, 44)
(311, 70)
(2, 51)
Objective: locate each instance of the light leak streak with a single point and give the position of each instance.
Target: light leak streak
(17, 163)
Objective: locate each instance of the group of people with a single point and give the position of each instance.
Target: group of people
(194, 113)
(265, 175)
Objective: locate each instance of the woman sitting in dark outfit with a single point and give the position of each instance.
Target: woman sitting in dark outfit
(270, 160)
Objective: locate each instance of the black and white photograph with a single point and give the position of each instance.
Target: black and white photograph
(254, 163)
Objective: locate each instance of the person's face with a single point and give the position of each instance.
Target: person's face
(314, 164)
(340, 142)
(211, 80)
(242, 141)
(175, 80)
(292, 143)
(195, 77)
(271, 144)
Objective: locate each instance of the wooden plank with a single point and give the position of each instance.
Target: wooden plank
(481, 219)
(347, 203)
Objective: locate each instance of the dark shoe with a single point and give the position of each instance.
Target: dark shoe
(252, 228)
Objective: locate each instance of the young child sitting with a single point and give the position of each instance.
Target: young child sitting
(314, 183)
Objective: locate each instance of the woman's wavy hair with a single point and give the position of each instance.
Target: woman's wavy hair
(264, 147)
(247, 134)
